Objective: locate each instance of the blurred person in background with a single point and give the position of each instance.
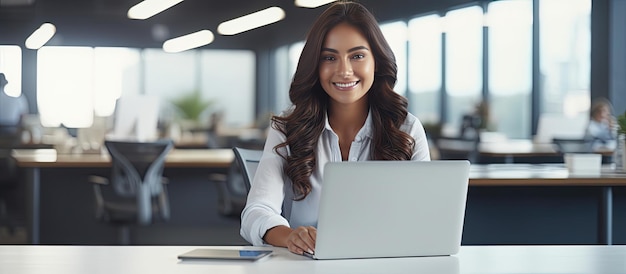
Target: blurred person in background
(601, 130)
(12, 109)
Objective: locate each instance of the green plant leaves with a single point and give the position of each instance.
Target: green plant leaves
(192, 105)
(621, 122)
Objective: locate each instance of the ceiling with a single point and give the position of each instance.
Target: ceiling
(104, 22)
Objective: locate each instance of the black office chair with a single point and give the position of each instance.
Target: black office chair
(231, 191)
(136, 193)
(563, 145)
(248, 160)
(233, 187)
(458, 148)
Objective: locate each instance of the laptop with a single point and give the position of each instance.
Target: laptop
(375, 209)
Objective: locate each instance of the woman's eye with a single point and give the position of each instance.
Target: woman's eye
(358, 56)
(328, 58)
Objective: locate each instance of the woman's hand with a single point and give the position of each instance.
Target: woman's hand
(302, 239)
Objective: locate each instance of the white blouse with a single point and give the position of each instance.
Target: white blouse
(270, 200)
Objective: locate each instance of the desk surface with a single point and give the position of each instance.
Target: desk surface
(163, 259)
(213, 158)
(520, 147)
(510, 147)
(480, 175)
(541, 175)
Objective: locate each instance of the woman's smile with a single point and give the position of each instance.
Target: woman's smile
(346, 85)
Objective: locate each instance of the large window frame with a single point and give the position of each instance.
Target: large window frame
(77, 84)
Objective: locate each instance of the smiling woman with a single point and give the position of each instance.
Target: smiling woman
(344, 109)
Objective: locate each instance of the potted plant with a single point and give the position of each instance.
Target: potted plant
(191, 106)
(621, 124)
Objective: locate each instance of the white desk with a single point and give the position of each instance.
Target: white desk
(162, 260)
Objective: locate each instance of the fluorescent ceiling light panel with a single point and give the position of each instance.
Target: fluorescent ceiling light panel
(251, 21)
(189, 41)
(40, 36)
(312, 3)
(148, 8)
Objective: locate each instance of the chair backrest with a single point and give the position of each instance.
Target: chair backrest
(456, 148)
(470, 126)
(248, 160)
(563, 145)
(136, 164)
(137, 170)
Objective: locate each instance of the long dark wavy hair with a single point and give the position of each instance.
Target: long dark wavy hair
(305, 123)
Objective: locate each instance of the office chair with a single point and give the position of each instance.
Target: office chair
(136, 192)
(465, 146)
(563, 145)
(248, 160)
(233, 187)
(459, 148)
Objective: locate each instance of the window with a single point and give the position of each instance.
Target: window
(225, 77)
(169, 76)
(291, 54)
(281, 80)
(11, 66)
(464, 58)
(425, 67)
(294, 56)
(116, 73)
(565, 53)
(76, 83)
(228, 78)
(396, 35)
(65, 86)
(510, 66)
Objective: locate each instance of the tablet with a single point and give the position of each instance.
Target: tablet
(224, 254)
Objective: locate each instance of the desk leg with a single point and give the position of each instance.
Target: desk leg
(32, 203)
(605, 229)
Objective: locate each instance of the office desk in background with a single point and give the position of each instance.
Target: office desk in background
(507, 203)
(32, 161)
(38, 158)
(556, 176)
(510, 150)
(163, 260)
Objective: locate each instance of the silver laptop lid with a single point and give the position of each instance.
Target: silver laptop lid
(391, 209)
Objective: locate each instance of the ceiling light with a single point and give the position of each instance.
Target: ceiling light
(251, 21)
(40, 36)
(148, 8)
(312, 3)
(189, 41)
